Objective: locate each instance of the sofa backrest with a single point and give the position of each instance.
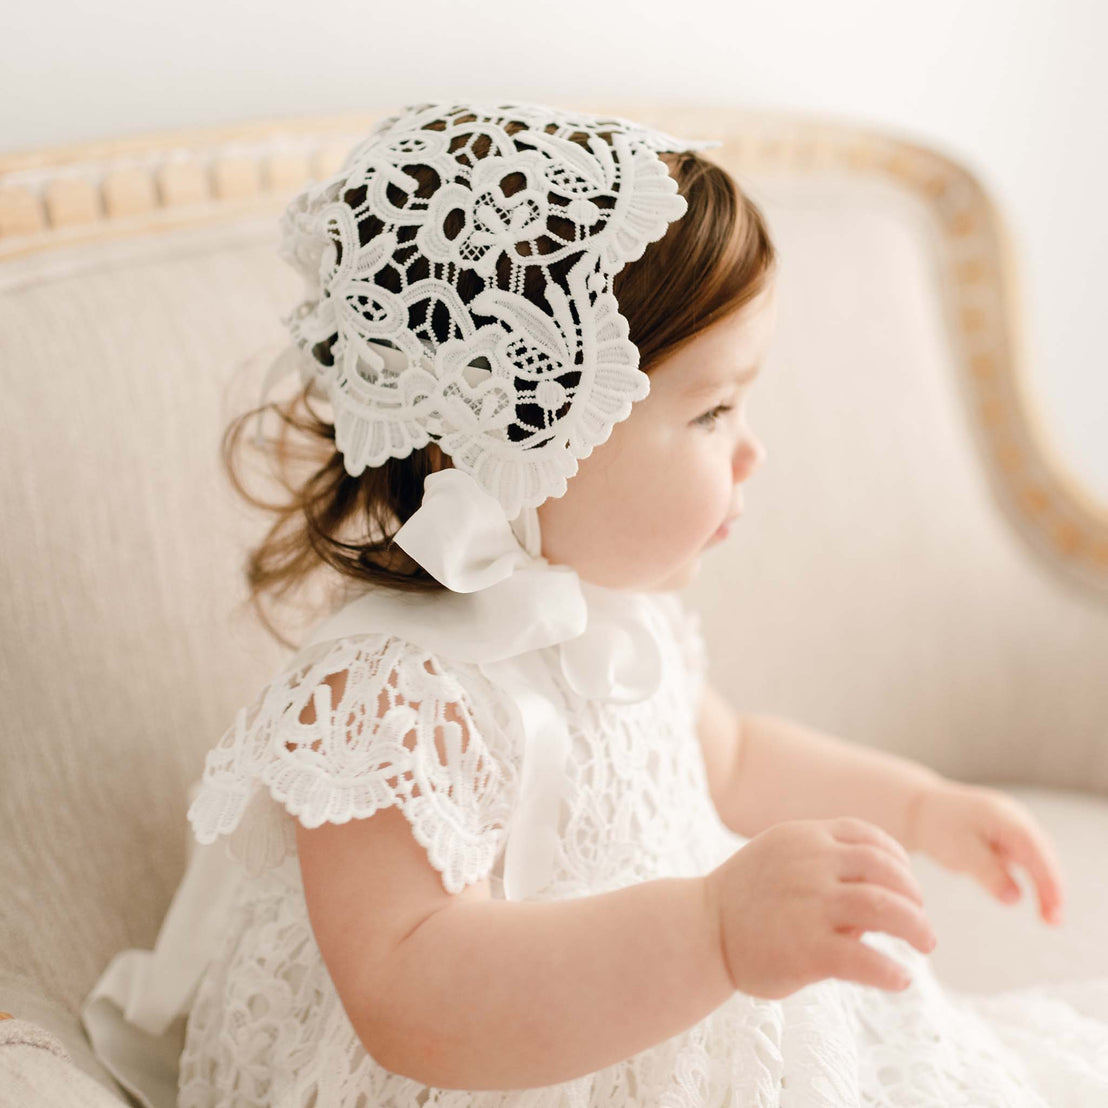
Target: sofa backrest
(880, 584)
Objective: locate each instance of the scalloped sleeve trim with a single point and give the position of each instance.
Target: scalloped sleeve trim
(372, 721)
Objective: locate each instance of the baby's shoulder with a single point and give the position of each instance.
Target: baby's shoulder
(383, 665)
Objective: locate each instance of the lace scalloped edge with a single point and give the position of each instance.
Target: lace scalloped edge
(249, 788)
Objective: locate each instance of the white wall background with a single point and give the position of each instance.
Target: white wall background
(1018, 89)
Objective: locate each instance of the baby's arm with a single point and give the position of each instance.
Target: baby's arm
(465, 991)
(784, 770)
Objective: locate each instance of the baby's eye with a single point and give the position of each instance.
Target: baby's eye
(708, 419)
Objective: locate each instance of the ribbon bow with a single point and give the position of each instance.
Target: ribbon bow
(504, 605)
(506, 602)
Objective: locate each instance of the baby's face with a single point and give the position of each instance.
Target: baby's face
(645, 504)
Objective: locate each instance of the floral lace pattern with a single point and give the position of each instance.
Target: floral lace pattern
(401, 731)
(267, 1027)
(459, 270)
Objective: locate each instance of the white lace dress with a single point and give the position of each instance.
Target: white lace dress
(267, 1027)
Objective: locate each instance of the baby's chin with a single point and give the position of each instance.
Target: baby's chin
(619, 573)
(681, 576)
(675, 579)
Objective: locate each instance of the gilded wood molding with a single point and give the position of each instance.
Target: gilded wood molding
(60, 196)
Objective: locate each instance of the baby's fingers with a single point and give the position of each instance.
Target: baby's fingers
(867, 862)
(852, 960)
(1020, 840)
(876, 908)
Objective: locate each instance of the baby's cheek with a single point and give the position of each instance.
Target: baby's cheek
(690, 522)
(699, 501)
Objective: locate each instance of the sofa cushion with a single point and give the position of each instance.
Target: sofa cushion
(36, 1072)
(25, 1068)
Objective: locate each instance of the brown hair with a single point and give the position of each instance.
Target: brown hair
(710, 263)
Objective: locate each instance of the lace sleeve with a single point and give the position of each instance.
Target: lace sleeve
(372, 721)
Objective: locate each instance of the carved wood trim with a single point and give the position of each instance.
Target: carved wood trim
(61, 196)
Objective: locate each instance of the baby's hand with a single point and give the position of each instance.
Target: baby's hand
(794, 902)
(978, 830)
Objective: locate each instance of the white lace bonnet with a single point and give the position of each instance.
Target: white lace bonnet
(515, 384)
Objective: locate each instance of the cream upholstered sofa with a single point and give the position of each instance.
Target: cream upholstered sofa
(915, 570)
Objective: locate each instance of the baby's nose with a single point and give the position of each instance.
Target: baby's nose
(755, 453)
